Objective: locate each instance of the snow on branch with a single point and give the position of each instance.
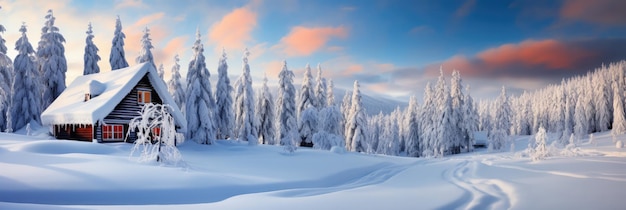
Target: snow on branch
(156, 135)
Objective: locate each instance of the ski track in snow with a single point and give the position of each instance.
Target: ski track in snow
(478, 193)
(374, 177)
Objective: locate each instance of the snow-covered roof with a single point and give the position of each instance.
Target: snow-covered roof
(71, 108)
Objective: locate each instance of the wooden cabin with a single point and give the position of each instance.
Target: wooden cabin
(100, 106)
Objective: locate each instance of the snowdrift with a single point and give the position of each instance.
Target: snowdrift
(41, 173)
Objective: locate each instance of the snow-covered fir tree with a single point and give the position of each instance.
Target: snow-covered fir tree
(245, 118)
(145, 51)
(470, 121)
(265, 114)
(601, 95)
(330, 101)
(161, 71)
(91, 57)
(320, 89)
(346, 104)
(443, 118)
(175, 86)
(117, 58)
(6, 78)
(3, 46)
(52, 62)
(286, 124)
(412, 129)
(427, 123)
(374, 131)
(619, 118)
(540, 151)
(502, 124)
(329, 129)
(26, 90)
(306, 98)
(199, 105)
(224, 100)
(457, 116)
(389, 139)
(356, 123)
(580, 120)
(6, 70)
(307, 126)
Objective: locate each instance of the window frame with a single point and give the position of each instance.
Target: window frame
(142, 95)
(112, 132)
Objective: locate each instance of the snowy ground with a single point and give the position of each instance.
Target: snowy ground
(39, 173)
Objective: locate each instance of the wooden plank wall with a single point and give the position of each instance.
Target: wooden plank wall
(128, 108)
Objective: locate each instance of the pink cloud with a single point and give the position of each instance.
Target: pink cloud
(607, 12)
(129, 4)
(144, 21)
(303, 41)
(233, 30)
(533, 58)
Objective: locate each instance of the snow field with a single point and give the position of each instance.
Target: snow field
(39, 173)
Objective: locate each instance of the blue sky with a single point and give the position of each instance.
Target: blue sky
(392, 47)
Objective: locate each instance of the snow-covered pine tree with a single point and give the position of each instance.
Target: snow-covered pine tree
(286, 124)
(412, 136)
(443, 118)
(590, 106)
(356, 123)
(145, 51)
(374, 129)
(25, 94)
(346, 104)
(427, 124)
(307, 126)
(117, 58)
(51, 58)
(6, 70)
(499, 136)
(3, 46)
(224, 100)
(601, 100)
(175, 86)
(199, 107)
(329, 129)
(470, 121)
(568, 121)
(320, 88)
(91, 57)
(541, 149)
(580, 120)
(307, 96)
(330, 93)
(458, 130)
(6, 78)
(161, 71)
(245, 119)
(265, 115)
(619, 118)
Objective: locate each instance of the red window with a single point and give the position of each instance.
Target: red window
(156, 131)
(143, 97)
(112, 132)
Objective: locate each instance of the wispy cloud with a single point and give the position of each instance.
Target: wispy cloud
(606, 12)
(234, 30)
(124, 4)
(304, 41)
